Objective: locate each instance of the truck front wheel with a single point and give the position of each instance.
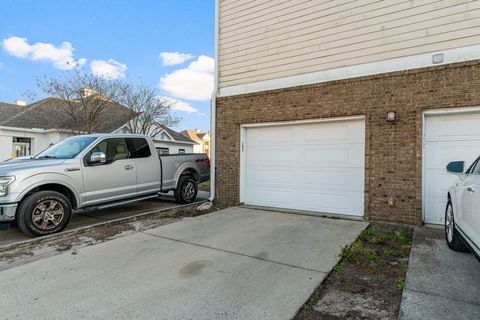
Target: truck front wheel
(187, 190)
(44, 212)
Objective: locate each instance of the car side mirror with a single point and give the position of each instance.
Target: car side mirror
(456, 167)
(97, 158)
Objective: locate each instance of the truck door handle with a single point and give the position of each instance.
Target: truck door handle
(129, 167)
(471, 189)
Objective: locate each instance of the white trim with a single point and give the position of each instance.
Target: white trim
(431, 113)
(284, 123)
(213, 105)
(243, 142)
(391, 65)
(34, 130)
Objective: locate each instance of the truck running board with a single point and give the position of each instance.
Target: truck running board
(118, 203)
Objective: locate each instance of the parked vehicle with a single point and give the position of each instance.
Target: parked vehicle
(93, 171)
(462, 215)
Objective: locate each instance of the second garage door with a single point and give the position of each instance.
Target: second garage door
(448, 137)
(309, 166)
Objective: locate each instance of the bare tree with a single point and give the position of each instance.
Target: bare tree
(86, 97)
(149, 111)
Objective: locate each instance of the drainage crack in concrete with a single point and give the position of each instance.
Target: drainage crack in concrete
(235, 253)
(443, 297)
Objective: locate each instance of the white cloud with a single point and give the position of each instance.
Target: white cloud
(173, 58)
(110, 69)
(179, 105)
(192, 83)
(61, 56)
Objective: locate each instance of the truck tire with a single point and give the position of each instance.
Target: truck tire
(187, 190)
(44, 212)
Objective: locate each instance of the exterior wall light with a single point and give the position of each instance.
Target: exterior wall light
(391, 116)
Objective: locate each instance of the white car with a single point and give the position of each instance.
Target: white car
(462, 215)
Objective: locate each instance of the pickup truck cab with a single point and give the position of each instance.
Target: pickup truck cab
(93, 171)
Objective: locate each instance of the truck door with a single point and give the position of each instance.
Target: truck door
(113, 180)
(147, 166)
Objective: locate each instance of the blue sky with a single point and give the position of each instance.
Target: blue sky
(116, 38)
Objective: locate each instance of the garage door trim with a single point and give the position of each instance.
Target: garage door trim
(431, 113)
(243, 141)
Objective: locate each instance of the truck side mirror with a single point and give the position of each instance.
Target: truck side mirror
(456, 167)
(97, 158)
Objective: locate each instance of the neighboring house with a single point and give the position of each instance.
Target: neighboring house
(28, 129)
(201, 138)
(346, 107)
(168, 141)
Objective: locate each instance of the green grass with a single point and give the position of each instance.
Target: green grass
(400, 283)
(394, 253)
(402, 236)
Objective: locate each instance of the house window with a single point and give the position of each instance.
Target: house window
(164, 136)
(181, 151)
(162, 151)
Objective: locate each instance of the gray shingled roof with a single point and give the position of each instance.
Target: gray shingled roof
(8, 110)
(177, 136)
(50, 114)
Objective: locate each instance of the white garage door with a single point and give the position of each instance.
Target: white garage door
(315, 166)
(447, 138)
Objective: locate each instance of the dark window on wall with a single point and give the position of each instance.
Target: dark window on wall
(162, 151)
(181, 151)
(139, 147)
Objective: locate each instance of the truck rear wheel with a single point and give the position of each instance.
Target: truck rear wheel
(187, 190)
(44, 212)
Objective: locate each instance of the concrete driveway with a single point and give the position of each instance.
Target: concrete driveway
(236, 263)
(441, 283)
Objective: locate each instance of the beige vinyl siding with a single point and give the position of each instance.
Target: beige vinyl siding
(267, 39)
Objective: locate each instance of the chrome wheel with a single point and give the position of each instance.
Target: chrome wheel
(449, 223)
(188, 190)
(48, 214)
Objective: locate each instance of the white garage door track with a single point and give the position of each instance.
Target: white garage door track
(233, 264)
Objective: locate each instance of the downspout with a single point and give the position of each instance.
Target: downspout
(213, 107)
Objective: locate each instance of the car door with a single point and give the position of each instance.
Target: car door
(147, 166)
(470, 204)
(113, 180)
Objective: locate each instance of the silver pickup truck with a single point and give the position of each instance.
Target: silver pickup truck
(92, 171)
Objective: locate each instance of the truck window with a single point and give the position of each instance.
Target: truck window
(181, 151)
(114, 149)
(139, 147)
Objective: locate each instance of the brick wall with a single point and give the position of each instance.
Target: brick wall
(393, 150)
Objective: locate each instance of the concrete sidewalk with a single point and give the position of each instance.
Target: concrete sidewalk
(237, 263)
(441, 283)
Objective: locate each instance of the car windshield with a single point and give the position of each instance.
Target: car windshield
(66, 149)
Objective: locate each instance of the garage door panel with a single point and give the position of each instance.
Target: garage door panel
(439, 154)
(331, 202)
(326, 178)
(454, 137)
(321, 168)
(456, 127)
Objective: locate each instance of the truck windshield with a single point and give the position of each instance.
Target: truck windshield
(66, 149)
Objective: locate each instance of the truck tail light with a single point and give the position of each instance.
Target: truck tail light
(208, 162)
